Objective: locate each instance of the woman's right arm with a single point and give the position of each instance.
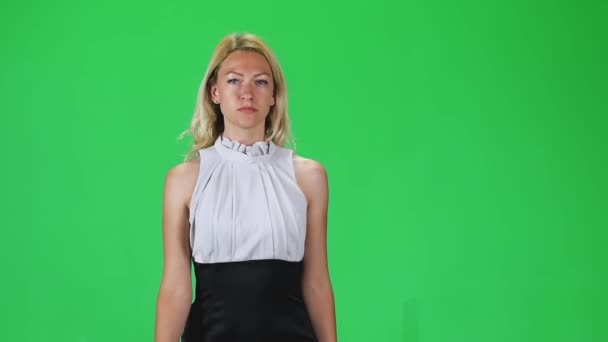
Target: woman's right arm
(175, 294)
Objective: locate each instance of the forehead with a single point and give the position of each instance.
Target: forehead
(245, 62)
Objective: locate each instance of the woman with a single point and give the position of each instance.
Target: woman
(248, 213)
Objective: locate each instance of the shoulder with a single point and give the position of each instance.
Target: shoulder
(181, 179)
(309, 166)
(184, 171)
(311, 176)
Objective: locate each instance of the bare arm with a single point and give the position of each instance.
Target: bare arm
(316, 284)
(175, 293)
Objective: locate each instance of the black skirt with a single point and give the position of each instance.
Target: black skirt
(248, 301)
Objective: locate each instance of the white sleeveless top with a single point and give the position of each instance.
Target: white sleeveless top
(246, 204)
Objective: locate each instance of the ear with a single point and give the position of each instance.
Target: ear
(213, 92)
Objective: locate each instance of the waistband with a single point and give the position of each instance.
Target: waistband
(254, 300)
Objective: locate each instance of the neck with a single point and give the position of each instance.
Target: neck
(244, 137)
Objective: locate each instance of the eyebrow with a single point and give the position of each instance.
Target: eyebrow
(238, 73)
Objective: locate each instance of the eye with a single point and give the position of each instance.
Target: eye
(232, 79)
(263, 82)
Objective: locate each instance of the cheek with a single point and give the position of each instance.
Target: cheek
(265, 93)
(226, 91)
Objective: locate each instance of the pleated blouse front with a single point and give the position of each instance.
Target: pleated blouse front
(246, 204)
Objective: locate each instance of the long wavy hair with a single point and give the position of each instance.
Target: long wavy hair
(208, 122)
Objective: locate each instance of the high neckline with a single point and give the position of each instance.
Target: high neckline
(234, 150)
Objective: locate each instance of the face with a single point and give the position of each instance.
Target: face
(244, 90)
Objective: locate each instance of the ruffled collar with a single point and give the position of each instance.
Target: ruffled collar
(233, 149)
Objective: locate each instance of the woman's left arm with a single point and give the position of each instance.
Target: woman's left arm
(316, 284)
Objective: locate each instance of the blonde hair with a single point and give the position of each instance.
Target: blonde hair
(208, 122)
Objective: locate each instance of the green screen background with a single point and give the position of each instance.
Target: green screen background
(465, 143)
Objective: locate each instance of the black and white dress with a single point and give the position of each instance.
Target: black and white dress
(247, 233)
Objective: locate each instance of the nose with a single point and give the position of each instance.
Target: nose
(246, 93)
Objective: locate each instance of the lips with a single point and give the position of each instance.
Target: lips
(247, 109)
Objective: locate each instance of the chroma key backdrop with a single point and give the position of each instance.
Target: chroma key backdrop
(464, 141)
